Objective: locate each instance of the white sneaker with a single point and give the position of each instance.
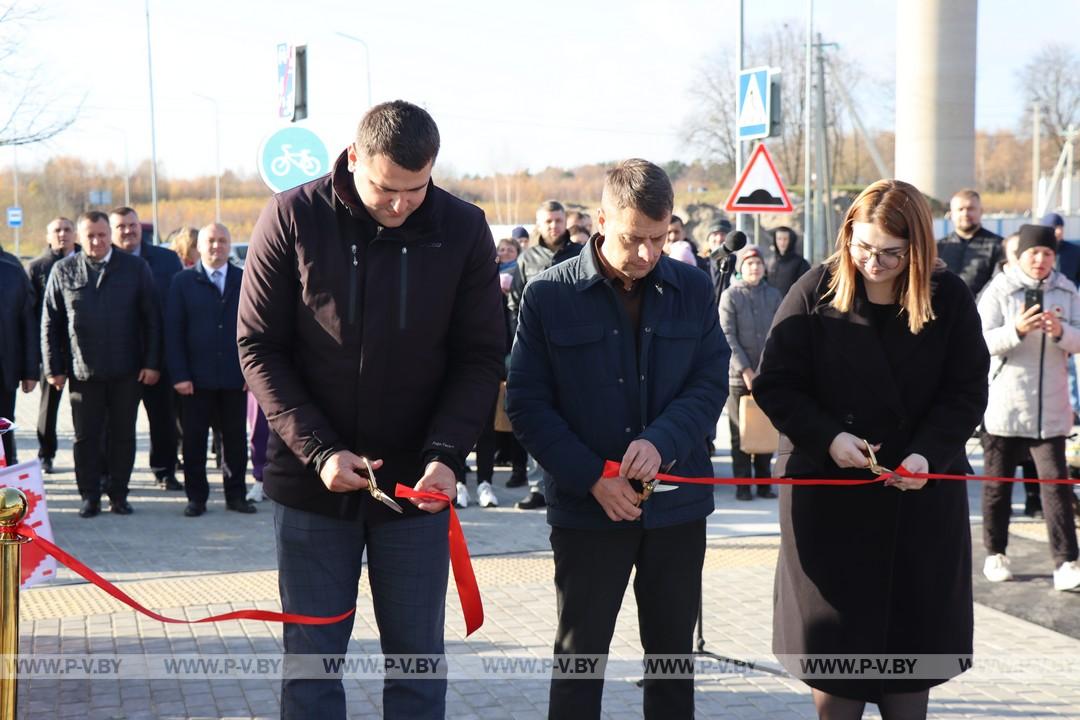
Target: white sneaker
(996, 568)
(1067, 577)
(462, 500)
(486, 494)
(255, 492)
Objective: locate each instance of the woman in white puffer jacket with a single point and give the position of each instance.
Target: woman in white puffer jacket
(1029, 410)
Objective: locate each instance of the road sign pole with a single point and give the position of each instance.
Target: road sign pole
(738, 91)
(15, 185)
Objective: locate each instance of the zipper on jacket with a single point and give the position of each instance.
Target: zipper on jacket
(1042, 357)
(404, 287)
(352, 284)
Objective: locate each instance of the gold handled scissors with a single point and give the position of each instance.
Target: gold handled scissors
(873, 463)
(376, 493)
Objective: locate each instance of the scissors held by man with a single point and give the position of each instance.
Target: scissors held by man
(373, 488)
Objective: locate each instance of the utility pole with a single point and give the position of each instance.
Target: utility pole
(808, 235)
(824, 185)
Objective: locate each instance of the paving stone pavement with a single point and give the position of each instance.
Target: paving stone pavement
(223, 561)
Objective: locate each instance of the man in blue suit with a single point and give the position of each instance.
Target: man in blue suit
(204, 364)
(619, 356)
(157, 398)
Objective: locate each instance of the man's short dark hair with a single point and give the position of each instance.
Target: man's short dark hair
(92, 216)
(403, 132)
(122, 211)
(641, 185)
(676, 219)
(551, 206)
(577, 230)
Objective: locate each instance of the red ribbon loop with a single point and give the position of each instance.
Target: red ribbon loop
(611, 469)
(472, 607)
(78, 567)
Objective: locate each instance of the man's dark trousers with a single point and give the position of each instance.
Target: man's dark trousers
(161, 413)
(7, 410)
(592, 568)
(226, 410)
(319, 561)
(48, 408)
(103, 413)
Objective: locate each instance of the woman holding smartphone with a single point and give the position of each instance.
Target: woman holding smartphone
(875, 354)
(1031, 322)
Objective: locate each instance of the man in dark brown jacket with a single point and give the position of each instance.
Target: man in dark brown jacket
(370, 327)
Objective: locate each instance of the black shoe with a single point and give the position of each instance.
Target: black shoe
(171, 483)
(194, 509)
(46, 465)
(533, 501)
(89, 508)
(120, 507)
(518, 478)
(742, 492)
(241, 506)
(1033, 506)
(766, 492)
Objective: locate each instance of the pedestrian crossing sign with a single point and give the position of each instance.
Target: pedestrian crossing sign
(753, 111)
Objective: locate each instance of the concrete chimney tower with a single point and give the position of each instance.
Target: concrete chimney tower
(935, 94)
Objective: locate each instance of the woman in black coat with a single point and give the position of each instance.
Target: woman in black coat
(881, 344)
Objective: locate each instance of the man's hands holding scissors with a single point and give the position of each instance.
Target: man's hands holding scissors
(345, 471)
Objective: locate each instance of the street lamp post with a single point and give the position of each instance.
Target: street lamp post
(367, 61)
(153, 131)
(217, 156)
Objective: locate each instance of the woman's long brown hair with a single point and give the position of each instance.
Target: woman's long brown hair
(896, 208)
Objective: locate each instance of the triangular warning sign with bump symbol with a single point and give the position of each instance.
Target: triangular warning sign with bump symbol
(759, 188)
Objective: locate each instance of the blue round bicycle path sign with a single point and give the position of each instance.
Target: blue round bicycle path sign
(292, 156)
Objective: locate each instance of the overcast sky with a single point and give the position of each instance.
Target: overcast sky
(512, 84)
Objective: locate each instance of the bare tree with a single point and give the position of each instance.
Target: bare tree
(1052, 80)
(27, 111)
(711, 127)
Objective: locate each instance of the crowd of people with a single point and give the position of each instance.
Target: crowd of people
(387, 335)
(120, 322)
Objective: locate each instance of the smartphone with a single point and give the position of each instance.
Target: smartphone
(1032, 298)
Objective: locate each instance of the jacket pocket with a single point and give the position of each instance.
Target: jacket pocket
(673, 346)
(579, 357)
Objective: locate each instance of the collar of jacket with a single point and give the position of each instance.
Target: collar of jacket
(421, 222)
(981, 234)
(544, 243)
(589, 273)
(1019, 279)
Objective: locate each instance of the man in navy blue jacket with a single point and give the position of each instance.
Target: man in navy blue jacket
(204, 364)
(619, 356)
(157, 398)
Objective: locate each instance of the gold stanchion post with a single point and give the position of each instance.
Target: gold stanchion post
(12, 511)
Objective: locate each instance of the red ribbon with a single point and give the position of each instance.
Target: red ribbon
(611, 469)
(78, 567)
(472, 607)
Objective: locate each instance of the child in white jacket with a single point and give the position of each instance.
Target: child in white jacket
(1031, 323)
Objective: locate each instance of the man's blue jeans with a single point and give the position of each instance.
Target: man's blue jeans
(319, 562)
